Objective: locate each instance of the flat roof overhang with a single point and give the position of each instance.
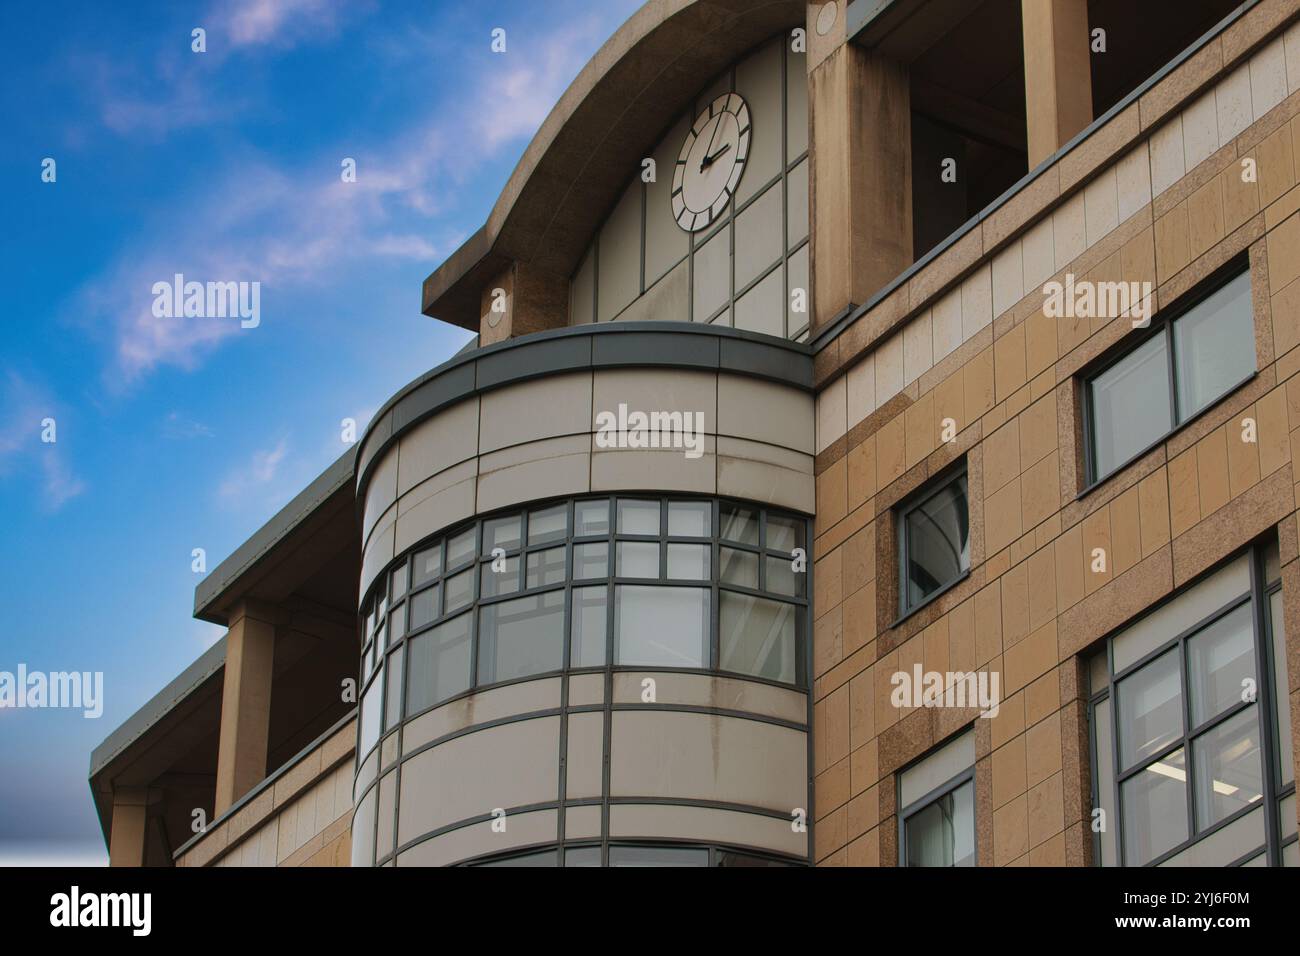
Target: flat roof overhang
(575, 168)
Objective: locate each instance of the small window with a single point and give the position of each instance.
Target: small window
(934, 540)
(1183, 366)
(937, 796)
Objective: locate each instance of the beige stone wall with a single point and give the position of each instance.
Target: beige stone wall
(1154, 195)
(460, 761)
(536, 440)
(302, 818)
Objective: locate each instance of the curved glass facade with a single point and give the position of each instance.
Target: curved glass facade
(668, 583)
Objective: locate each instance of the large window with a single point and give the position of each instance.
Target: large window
(933, 539)
(1191, 733)
(1186, 363)
(649, 855)
(632, 582)
(937, 796)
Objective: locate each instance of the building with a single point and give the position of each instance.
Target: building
(988, 309)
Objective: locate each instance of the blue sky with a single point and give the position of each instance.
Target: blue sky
(175, 434)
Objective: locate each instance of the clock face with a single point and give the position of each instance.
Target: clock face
(711, 162)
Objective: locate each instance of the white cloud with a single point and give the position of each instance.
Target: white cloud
(290, 230)
(25, 407)
(248, 23)
(255, 480)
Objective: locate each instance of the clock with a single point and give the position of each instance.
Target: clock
(711, 162)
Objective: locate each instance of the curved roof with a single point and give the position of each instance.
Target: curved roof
(643, 77)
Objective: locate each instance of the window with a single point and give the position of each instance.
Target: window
(934, 539)
(636, 855)
(1187, 736)
(631, 581)
(1184, 365)
(937, 794)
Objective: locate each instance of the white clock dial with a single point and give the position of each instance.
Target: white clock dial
(711, 162)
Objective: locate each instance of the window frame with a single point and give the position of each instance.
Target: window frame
(921, 496)
(923, 802)
(479, 558)
(1257, 597)
(1162, 324)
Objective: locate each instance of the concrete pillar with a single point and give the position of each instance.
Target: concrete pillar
(522, 300)
(1058, 78)
(245, 703)
(127, 832)
(860, 117)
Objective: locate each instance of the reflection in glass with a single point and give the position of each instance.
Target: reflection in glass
(638, 517)
(938, 541)
(548, 524)
(689, 519)
(424, 607)
(591, 560)
(1228, 774)
(739, 524)
(587, 645)
(427, 566)
(545, 567)
(438, 667)
(1221, 658)
(1130, 405)
(943, 833)
(521, 637)
(661, 626)
(738, 567)
(1214, 345)
(1150, 709)
(1154, 804)
(757, 636)
(638, 559)
(688, 562)
(591, 517)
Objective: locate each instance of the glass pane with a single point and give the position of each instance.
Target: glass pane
(397, 624)
(1227, 768)
(739, 524)
(1104, 742)
(938, 541)
(428, 565)
(498, 576)
(738, 567)
(582, 856)
(424, 607)
(1154, 803)
(545, 567)
(1130, 405)
(372, 702)
(784, 534)
(943, 833)
(688, 562)
(1214, 346)
(1220, 659)
(521, 637)
(399, 582)
(689, 519)
(460, 591)
(591, 517)
(657, 856)
(540, 858)
(591, 560)
(381, 638)
(460, 548)
(438, 665)
(501, 533)
(1281, 699)
(782, 578)
(732, 858)
(393, 705)
(1150, 709)
(548, 524)
(587, 647)
(638, 559)
(661, 627)
(638, 517)
(757, 637)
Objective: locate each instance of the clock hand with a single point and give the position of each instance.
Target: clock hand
(709, 160)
